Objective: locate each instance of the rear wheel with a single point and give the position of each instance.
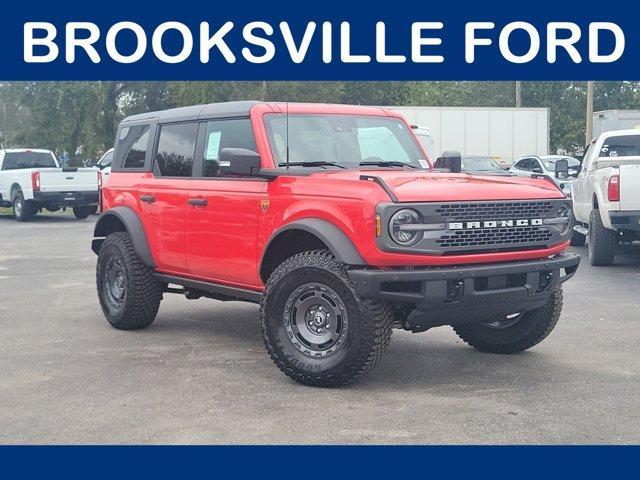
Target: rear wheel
(513, 333)
(128, 291)
(602, 241)
(315, 327)
(22, 209)
(83, 212)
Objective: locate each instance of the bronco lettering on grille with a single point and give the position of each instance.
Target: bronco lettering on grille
(523, 222)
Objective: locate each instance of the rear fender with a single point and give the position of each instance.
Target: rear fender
(123, 219)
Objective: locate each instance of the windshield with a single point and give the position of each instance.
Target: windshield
(15, 160)
(106, 160)
(346, 141)
(551, 164)
(480, 164)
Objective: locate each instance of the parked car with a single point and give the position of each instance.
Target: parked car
(31, 179)
(477, 164)
(425, 136)
(327, 218)
(606, 195)
(546, 165)
(104, 164)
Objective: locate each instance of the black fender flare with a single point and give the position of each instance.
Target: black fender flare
(335, 239)
(129, 218)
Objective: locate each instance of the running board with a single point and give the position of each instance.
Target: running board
(222, 292)
(580, 229)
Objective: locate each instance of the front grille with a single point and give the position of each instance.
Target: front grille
(457, 228)
(494, 210)
(495, 237)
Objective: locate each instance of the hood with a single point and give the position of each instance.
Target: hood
(428, 186)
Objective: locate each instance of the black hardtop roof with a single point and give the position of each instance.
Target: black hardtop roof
(195, 112)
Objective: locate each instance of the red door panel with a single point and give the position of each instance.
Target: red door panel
(163, 204)
(222, 235)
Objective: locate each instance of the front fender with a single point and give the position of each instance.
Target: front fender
(119, 219)
(335, 239)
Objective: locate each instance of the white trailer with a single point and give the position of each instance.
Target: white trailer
(608, 120)
(503, 133)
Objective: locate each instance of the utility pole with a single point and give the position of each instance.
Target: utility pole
(263, 91)
(518, 94)
(588, 134)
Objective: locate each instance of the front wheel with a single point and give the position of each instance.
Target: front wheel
(316, 328)
(128, 291)
(83, 212)
(513, 333)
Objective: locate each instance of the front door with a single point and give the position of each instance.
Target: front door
(222, 212)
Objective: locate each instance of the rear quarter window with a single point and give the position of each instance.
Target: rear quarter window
(133, 143)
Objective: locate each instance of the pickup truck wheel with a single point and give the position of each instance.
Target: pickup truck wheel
(22, 209)
(82, 212)
(577, 239)
(602, 241)
(316, 328)
(128, 291)
(514, 333)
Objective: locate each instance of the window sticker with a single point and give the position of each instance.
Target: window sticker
(213, 146)
(423, 163)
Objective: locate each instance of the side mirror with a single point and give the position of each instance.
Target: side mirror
(562, 168)
(450, 159)
(537, 170)
(239, 162)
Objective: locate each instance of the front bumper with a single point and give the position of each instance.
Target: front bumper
(66, 199)
(625, 220)
(449, 296)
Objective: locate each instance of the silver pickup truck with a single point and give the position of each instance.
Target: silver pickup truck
(606, 195)
(32, 180)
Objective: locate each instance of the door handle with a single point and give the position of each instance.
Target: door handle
(147, 198)
(200, 202)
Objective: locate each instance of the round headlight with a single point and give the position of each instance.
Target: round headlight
(565, 212)
(401, 236)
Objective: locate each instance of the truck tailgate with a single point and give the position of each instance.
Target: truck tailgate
(629, 187)
(58, 180)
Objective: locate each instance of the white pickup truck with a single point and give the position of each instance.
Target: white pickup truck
(31, 179)
(606, 195)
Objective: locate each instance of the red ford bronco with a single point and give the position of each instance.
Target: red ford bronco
(330, 217)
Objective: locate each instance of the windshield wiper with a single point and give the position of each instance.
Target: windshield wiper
(382, 163)
(319, 163)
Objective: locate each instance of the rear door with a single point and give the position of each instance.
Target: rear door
(223, 212)
(163, 195)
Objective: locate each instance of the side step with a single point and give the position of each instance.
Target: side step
(580, 229)
(212, 290)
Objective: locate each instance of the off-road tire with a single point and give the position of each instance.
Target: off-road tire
(141, 301)
(530, 329)
(83, 212)
(577, 239)
(602, 241)
(22, 209)
(366, 339)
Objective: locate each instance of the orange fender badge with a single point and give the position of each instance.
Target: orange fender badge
(265, 205)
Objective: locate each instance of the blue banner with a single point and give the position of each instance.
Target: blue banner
(188, 40)
(338, 462)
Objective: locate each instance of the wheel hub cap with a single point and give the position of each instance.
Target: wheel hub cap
(315, 319)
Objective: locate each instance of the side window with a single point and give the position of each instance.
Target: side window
(524, 164)
(176, 149)
(232, 133)
(134, 140)
(535, 165)
(622, 146)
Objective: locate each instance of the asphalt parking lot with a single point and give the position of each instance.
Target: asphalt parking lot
(200, 374)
